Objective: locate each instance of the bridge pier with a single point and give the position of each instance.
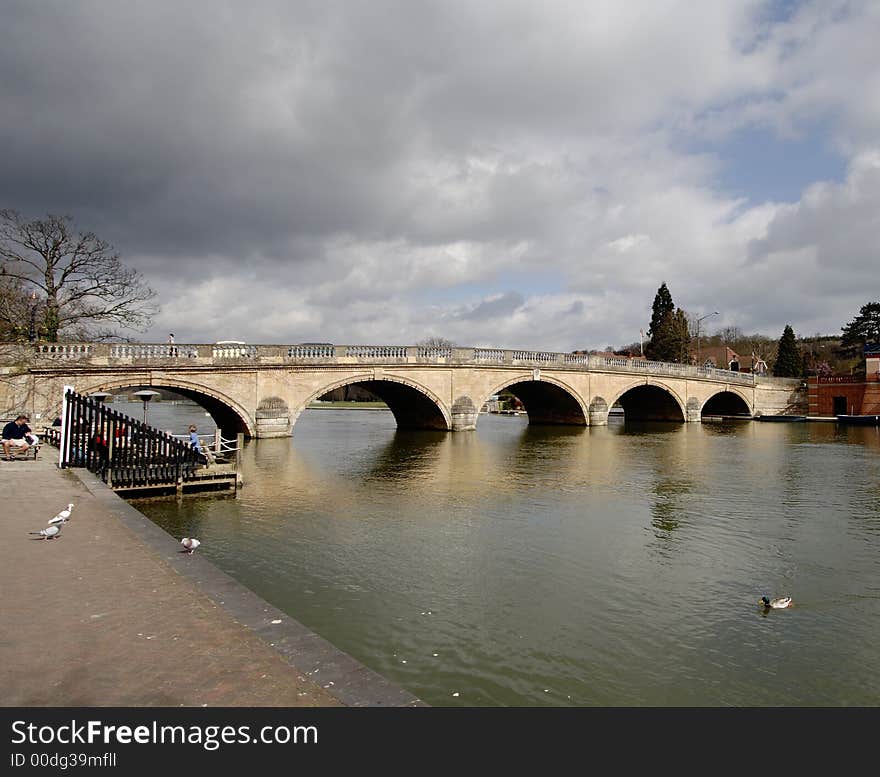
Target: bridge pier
(464, 415)
(273, 418)
(692, 408)
(598, 412)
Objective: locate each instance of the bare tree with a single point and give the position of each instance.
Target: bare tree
(82, 285)
(731, 335)
(18, 312)
(436, 342)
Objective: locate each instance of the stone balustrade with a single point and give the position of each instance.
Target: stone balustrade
(488, 355)
(109, 354)
(225, 352)
(376, 351)
(64, 350)
(434, 352)
(149, 351)
(310, 352)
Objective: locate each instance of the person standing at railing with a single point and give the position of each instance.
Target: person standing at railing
(172, 348)
(196, 443)
(99, 444)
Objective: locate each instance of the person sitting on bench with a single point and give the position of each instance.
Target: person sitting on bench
(14, 437)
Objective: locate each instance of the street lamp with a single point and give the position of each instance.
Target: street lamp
(32, 324)
(145, 395)
(702, 318)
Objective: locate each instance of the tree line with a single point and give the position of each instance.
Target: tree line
(675, 336)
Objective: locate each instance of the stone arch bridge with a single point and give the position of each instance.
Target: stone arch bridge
(261, 390)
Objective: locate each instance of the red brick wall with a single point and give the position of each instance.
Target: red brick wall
(821, 395)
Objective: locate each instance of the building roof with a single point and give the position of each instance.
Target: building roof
(719, 354)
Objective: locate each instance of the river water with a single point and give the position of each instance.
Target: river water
(518, 565)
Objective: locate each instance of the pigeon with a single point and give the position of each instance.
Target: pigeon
(49, 532)
(190, 544)
(62, 517)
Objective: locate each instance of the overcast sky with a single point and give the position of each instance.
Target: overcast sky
(510, 174)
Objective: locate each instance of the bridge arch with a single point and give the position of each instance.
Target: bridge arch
(547, 400)
(728, 401)
(647, 400)
(414, 406)
(229, 415)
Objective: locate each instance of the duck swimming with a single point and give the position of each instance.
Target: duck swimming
(776, 604)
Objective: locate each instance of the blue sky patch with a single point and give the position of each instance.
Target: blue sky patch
(759, 165)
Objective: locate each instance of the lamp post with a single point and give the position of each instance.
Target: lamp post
(32, 324)
(699, 320)
(145, 395)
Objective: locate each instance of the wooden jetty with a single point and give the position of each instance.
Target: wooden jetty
(138, 460)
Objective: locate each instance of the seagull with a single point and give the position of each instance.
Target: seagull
(49, 532)
(190, 544)
(776, 604)
(62, 517)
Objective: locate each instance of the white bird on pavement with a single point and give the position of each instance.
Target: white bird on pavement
(190, 544)
(49, 532)
(63, 516)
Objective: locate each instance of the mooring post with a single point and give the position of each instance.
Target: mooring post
(239, 444)
(111, 444)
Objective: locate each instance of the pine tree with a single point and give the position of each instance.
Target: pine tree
(789, 361)
(681, 337)
(671, 341)
(863, 329)
(662, 305)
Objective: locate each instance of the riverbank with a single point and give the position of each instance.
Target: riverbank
(111, 613)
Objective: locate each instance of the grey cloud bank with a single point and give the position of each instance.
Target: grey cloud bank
(382, 172)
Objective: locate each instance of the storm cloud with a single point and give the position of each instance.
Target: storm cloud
(508, 174)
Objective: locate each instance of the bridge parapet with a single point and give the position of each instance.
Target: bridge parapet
(66, 350)
(144, 351)
(536, 357)
(311, 352)
(373, 352)
(488, 355)
(232, 354)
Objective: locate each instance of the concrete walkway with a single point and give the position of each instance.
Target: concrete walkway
(111, 613)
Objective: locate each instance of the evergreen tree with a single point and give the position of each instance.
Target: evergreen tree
(864, 328)
(681, 337)
(789, 362)
(662, 305)
(671, 341)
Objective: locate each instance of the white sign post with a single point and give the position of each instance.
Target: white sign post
(64, 448)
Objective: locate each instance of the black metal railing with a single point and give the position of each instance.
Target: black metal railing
(121, 450)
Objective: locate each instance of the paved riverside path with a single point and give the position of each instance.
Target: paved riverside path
(111, 613)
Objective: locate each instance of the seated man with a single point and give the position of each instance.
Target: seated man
(14, 437)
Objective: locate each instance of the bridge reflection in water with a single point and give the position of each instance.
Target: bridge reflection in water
(542, 565)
